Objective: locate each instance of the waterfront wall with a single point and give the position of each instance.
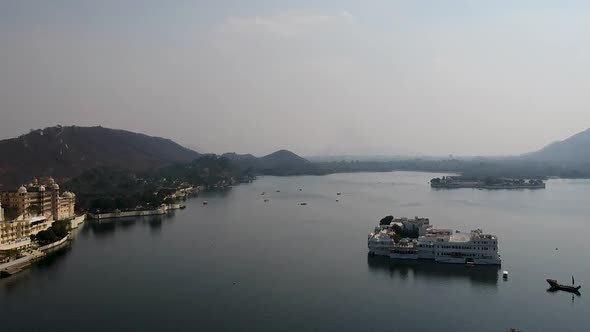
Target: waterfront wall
(17, 265)
(112, 215)
(140, 213)
(75, 222)
(53, 245)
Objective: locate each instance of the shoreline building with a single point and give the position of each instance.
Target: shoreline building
(33, 208)
(39, 199)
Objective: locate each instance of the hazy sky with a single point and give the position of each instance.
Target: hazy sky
(316, 77)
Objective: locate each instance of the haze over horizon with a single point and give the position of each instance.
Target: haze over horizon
(317, 78)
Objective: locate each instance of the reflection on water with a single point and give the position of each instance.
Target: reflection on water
(100, 229)
(155, 223)
(54, 257)
(431, 271)
(558, 291)
(104, 228)
(303, 269)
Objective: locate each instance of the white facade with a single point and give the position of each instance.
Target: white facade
(444, 246)
(380, 242)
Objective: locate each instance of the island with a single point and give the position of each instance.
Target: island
(490, 182)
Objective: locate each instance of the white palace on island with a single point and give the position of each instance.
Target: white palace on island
(440, 245)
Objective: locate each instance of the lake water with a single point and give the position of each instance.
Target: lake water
(242, 264)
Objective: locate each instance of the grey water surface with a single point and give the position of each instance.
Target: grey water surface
(242, 264)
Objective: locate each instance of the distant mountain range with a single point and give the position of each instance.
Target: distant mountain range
(573, 150)
(282, 162)
(68, 151)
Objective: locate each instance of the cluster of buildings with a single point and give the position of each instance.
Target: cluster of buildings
(30, 209)
(440, 245)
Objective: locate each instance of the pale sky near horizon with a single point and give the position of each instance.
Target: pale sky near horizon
(425, 77)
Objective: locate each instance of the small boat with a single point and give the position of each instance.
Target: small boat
(557, 286)
(303, 203)
(338, 193)
(505, 275)
(266, 199)
(278, 191)
(205, 202)
(300, 189)
(182, 207)
(470, 264)
(264, 192)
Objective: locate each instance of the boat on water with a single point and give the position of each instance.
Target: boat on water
(505, 275)
(557, 286)
(205, 202)
(303, 203)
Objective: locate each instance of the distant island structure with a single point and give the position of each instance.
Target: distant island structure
(453, 182)
(413, 239)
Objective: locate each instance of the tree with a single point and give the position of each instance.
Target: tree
(45, 237)
(104, 204)
(386, 220)
(60, 228)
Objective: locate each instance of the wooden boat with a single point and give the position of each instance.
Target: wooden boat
(557, 286)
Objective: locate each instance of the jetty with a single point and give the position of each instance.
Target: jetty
(31, 255)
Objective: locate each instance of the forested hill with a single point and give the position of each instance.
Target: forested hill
(280, 163)
(571, 151)
(64, 152)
